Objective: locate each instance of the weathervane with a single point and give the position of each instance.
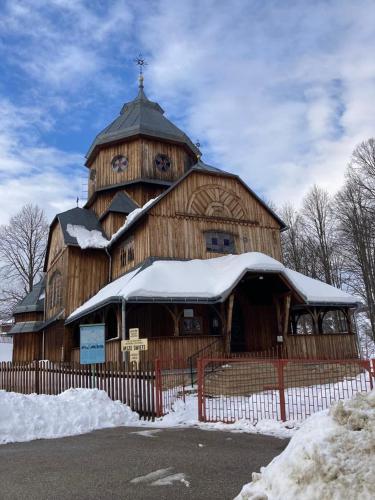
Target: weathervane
(141, 62)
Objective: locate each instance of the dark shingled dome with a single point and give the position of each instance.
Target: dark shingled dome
(141, 117)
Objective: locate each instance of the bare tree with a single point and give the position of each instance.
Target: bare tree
(22, 251)
(295, 251)
(355, 211)
(318, 221)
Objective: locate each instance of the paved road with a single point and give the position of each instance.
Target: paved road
(134, 463)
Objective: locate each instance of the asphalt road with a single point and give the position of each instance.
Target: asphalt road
(135, 463)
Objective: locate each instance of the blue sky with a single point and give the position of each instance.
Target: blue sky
(279, 92)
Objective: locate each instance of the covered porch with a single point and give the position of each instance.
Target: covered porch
(261, 311)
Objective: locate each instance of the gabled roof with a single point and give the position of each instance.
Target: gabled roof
(141, 117)
(78, 217)
(121, 204)
(27, 327)
(34, 301)
(75, 217)
(199, 167)
(207, 281)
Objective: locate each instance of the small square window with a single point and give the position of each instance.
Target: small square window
(219, 242)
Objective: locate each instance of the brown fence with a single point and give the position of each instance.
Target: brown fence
(231, 389)
(127, 383)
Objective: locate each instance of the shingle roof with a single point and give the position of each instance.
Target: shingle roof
(122, 204)
(34, 301)
(78, 217)
(27, 327)
(141, 116)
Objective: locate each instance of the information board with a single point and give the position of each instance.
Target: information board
(92, 344)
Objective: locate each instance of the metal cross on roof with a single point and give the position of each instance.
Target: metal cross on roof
(140, 61)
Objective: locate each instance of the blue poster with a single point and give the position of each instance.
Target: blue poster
(92, 344)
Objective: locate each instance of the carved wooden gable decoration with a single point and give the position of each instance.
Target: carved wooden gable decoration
(216, 201)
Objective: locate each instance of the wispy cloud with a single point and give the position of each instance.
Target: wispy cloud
(279, 92)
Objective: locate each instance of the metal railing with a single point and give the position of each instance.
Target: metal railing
(231, 389)
(206, 352)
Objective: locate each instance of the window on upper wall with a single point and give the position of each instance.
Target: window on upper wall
(127, 252)
(220, 242)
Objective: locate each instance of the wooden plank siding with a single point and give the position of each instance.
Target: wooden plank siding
(27, 346)
(166, 348)
(141, 251)
(141, 153)
(60, 264)
(324, 346)
(112, 223)
(29, 316)
(54, 342)
(57, 244)
(87, 273)
(175, 228)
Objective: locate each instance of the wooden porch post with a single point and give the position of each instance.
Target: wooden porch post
(228, 333)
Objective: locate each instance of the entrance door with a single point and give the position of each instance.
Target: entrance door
(238, 340)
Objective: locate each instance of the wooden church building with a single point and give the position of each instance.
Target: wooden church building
(186, 252)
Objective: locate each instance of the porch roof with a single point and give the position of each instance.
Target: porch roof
(209, 280)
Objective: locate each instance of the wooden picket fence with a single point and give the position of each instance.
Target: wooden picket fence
(132, 385)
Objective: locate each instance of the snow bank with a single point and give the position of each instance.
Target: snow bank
(86, 238)
(6, 351)
(331, 457)
(76, 411)
(185, 414)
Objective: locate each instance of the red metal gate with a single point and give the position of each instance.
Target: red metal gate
(231, 389)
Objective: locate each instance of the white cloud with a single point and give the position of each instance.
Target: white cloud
(280, 93)
(31, 171)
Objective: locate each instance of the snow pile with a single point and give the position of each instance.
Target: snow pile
(185, 414)
(86, 238)
(332, 456)
(6, 351)
(76, 411)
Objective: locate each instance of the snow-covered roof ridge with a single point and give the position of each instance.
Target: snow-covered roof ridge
(208, 280)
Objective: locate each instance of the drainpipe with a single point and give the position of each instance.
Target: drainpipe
(123, 325)
(110, 265)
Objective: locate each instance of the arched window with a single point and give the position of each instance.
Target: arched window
(55, 290)
(304, 324)
(334, 322)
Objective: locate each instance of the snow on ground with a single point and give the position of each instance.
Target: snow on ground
(76, 411)
(331, 457)
(6, 351)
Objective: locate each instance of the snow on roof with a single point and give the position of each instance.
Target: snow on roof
(131, 217)
(207, 280)
(86, 238)
(94, 239)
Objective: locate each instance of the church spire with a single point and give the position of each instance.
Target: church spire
(140, 61)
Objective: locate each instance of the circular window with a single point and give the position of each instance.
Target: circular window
(162, 162)
(119, 163)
